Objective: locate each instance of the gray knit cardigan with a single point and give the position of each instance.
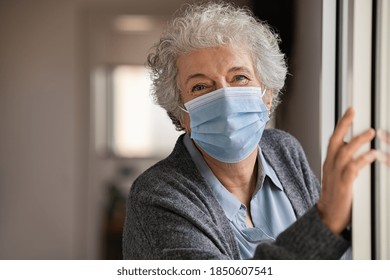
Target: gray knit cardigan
(172, 213)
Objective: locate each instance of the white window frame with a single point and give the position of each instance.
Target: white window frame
(382, 117)
(355, 90)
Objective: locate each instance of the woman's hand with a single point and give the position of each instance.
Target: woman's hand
(339, 171)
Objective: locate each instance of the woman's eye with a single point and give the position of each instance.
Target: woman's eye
(198, 88)
(240, 78)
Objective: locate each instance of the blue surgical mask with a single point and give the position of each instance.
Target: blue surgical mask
(228, 123)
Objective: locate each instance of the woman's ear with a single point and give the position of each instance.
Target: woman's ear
(268, 99)
(268, 105)
(185, 122)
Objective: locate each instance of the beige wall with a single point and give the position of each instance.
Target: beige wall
(40, 175)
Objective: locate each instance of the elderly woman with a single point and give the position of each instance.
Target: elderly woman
(232, 189)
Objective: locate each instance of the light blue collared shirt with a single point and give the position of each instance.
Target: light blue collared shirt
(270, 208)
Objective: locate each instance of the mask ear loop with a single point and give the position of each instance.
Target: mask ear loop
(264, 91)
(184, 110)
(262, 94)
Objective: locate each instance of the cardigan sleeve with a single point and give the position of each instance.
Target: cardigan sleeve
(307, 239)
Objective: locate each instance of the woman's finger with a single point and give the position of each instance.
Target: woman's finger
(347, 152)
(337, 139)
(354, 167)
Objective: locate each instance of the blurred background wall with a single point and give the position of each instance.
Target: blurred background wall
(56, 189)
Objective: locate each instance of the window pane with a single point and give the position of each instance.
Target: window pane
(140, 128)
(135, 127)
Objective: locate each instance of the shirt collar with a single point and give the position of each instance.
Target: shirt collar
(266, 170)
(229, 203)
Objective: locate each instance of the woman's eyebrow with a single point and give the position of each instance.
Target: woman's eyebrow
(239, 68)
(196, 75)
(233, 69)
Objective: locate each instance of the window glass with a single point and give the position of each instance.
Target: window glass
(128, 123)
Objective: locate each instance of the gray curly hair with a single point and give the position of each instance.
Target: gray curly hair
(213, 25)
